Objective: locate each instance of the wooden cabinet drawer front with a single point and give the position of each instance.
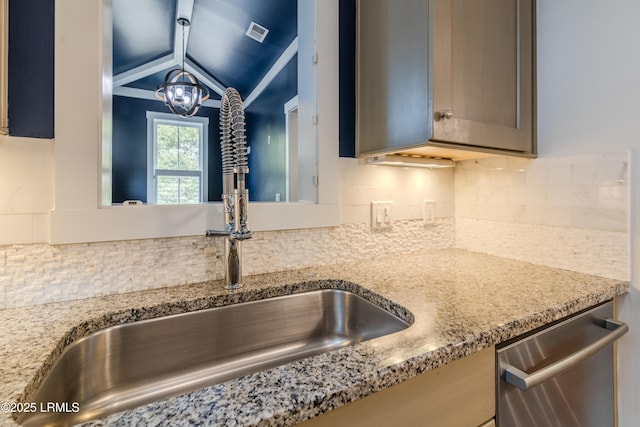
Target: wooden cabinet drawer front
(461, 393)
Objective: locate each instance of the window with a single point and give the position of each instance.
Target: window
(177, 164)
(4, 59)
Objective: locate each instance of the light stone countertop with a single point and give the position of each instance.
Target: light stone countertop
(461, 301)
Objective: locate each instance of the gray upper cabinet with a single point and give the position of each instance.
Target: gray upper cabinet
(438, 76)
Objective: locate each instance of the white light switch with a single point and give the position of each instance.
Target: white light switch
(381, 215)
(429, 212)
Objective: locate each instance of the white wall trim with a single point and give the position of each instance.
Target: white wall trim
(131, 92)
(78, 215)
(204, 77)
(291, 104)
(184, 9)
(144, 70)
(281, 62)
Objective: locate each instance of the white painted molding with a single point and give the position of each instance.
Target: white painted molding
(158, 221)
(184, 9)
(204, 77)
(281, 62)
(144, 70)
(327, 94)
(291, 104)
(150, 95)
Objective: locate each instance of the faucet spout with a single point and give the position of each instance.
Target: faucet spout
(235, 197)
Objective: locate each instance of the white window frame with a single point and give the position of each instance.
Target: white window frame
(4, 66)
(153, 120)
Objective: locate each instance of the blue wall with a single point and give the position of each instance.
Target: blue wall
(129, 149)
(31, 55)
(266, 134)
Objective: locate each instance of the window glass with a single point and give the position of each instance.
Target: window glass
(178, 189)
(179, 162)
(178, 147)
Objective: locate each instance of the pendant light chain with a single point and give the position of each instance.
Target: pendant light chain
(184, 48)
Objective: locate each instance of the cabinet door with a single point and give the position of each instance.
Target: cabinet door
(461, 393)
(392, 75)
(483, 73)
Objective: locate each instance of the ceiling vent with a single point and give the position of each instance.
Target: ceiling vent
(257, 32)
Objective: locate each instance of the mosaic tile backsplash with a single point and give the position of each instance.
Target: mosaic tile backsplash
(41, 273)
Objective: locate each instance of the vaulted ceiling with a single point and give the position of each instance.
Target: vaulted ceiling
(147, 43)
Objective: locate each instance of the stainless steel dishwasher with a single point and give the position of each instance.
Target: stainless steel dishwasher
(562, 375)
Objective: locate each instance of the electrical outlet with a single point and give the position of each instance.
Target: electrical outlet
(381, 215)
(429, 212)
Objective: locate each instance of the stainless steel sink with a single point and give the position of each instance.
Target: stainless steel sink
(125, 366)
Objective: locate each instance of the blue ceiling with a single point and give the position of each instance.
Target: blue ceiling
(143, 30)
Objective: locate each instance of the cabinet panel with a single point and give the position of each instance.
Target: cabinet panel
(461, 393)
(392, 74)
(446, 73)
(483, 70)
(477, 42)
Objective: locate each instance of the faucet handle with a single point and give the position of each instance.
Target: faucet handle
(210, 233)
(242, 234)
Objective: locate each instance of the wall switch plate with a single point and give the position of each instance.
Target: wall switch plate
(381, 215)
(429, 212)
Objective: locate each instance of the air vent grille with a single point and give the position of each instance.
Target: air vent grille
(257, 32)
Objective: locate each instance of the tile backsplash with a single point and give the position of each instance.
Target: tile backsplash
(26, 189)
(568, 212)
(360, 184)
(588, 191)
(599, 252)
(41, 273)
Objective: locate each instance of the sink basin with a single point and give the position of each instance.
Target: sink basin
(129, 365)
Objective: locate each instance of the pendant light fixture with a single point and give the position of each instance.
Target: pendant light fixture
(181, 91)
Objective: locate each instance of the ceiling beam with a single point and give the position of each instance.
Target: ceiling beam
(131, 92)
(204, 77)
(184, 9)
(144, 70)
(281, 62)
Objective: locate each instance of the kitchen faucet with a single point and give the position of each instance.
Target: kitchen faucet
(235, 196)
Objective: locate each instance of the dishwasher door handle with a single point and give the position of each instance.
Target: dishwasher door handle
(524, 381)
